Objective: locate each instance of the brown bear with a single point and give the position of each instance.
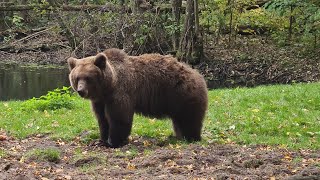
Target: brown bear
(153, 85)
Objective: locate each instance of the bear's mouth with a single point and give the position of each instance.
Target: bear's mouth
(83, 94)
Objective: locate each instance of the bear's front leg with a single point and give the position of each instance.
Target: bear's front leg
(99, 110)
(121, 118)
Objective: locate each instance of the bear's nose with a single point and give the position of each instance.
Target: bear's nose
(81, 92)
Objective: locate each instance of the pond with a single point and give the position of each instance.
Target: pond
(20, 82)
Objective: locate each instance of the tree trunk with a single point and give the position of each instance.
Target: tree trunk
(191, 44)
(3, 14)
(70, 36)
(176, 12)
(230, 4)
(290, 24)
(24, 14)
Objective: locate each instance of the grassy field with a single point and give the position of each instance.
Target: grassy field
(281, 115)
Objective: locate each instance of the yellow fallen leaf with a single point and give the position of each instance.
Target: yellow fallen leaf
(22, 159)
(255, 110)
(3, 137)
(131, 166)
(146, 143)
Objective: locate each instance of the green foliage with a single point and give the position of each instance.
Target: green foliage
(212, 14)
(47, 154)
(53, 100)
(273, 18)
(17, 21)
(305, 15)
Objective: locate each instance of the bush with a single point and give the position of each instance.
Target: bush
(53, 100)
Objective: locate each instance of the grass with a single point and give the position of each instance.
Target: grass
(2, 153)
(285, 115)
(279, 115)
(47, 154)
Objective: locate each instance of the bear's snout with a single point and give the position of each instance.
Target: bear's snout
(81, 90)
(82, 93)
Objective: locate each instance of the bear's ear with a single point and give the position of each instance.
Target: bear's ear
(100, 61)
(72, 63)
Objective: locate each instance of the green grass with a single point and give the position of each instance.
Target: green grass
(47, 154)
(2, 153)
(62, 123)
(280, 115)
(285, 115)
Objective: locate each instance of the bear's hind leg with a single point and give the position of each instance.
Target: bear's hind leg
(177, 130)
(189, 126)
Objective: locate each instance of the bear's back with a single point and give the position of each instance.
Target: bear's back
(163, 84)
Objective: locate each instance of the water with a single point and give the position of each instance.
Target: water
(20, 82)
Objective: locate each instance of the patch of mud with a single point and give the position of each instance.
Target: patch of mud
(140, 160)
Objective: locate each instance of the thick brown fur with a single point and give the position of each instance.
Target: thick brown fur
(154, 85)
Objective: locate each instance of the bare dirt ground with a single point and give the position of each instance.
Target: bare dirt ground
(149, 159)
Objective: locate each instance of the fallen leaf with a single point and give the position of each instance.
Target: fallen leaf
(68, 177)
(131, 166)
(255, 110)
(146, 143)
(59, 170)
(3, 137)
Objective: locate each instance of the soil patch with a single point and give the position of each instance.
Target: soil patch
(144, 159)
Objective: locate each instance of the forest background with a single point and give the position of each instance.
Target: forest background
(232, 42)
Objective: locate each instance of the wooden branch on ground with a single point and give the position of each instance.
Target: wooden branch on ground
(32, 35)
(37, 48)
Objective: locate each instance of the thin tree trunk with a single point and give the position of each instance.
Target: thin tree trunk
(3, 14)
(315, 40)
(70, 36)
(231, 20)
(290, 24)
(191, 44)
(176, 12)
(24, 13)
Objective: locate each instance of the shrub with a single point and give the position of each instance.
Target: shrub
(57, 99)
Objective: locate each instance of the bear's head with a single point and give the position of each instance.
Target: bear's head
(91, 77)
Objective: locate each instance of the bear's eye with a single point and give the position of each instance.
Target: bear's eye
(88, 79)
